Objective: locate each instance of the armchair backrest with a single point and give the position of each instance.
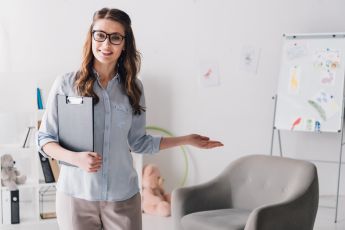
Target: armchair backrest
(258, 180)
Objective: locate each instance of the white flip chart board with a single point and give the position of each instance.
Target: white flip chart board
(310, 93)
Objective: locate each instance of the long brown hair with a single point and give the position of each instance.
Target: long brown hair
(128, 62)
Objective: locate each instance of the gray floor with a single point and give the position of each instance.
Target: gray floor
(324, 219)
(326, 214)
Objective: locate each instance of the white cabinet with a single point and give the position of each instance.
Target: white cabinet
(16, 125)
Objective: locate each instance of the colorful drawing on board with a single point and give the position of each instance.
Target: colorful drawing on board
(323, 97)
(296, 122)
(296, 49)
(317, 126)
(328, 102)
(318, 108)
(327, 77)
(294, 80)
(309, 124)
(209, 73)
(327, 61)
(325, 104)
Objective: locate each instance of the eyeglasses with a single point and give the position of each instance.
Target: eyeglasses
(101, 36)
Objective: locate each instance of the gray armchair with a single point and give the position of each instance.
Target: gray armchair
(253, 193)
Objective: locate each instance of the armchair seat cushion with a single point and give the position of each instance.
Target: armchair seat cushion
(220, 219)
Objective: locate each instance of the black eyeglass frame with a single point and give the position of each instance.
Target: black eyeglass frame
(107, 36)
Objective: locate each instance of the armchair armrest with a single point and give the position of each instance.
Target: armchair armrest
(297, 213)
(212, 195)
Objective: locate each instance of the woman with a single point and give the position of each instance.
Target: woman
(102, 191)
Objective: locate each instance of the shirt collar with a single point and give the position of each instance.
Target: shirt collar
(116, 76)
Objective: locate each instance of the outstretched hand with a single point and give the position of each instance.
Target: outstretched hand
(203, 142)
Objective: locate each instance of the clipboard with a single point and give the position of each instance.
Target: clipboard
(75, 123)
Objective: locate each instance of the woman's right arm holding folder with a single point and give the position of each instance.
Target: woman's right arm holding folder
(47, 138)
(89, 161)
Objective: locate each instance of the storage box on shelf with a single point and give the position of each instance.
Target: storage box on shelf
(47, 201)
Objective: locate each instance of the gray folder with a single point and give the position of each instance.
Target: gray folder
(75, 123)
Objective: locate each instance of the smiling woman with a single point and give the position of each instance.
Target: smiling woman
(103, 188)
(104, 54)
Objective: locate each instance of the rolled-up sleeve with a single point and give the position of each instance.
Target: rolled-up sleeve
(48, 131)
(138, 140)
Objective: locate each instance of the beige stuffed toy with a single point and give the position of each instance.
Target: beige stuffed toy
(154, 200)
(10, 176)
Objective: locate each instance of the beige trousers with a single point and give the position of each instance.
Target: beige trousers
(78, 214)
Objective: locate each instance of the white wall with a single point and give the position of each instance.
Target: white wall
(45, 38)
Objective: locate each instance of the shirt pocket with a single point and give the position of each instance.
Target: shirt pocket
(122, 116)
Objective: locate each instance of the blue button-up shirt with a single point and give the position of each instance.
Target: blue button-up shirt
(116, 131)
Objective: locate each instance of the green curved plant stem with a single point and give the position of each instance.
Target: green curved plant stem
(166, 132)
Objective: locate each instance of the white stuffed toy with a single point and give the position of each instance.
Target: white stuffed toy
(10, 176)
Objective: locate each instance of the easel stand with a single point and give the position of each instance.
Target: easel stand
(340, 150)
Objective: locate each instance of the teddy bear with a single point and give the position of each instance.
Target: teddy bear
(10, 176)
(154, 199)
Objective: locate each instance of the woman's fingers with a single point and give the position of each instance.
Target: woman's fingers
(96, 165)
(95, 162)
(205, 142)
(211, 144)
(96, 155)
(94, 168)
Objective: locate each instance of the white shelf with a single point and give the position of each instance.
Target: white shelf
(42, 185)
(27, 162)
(29, 184)
(17, 148)
(52, 220)
(24, 222)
